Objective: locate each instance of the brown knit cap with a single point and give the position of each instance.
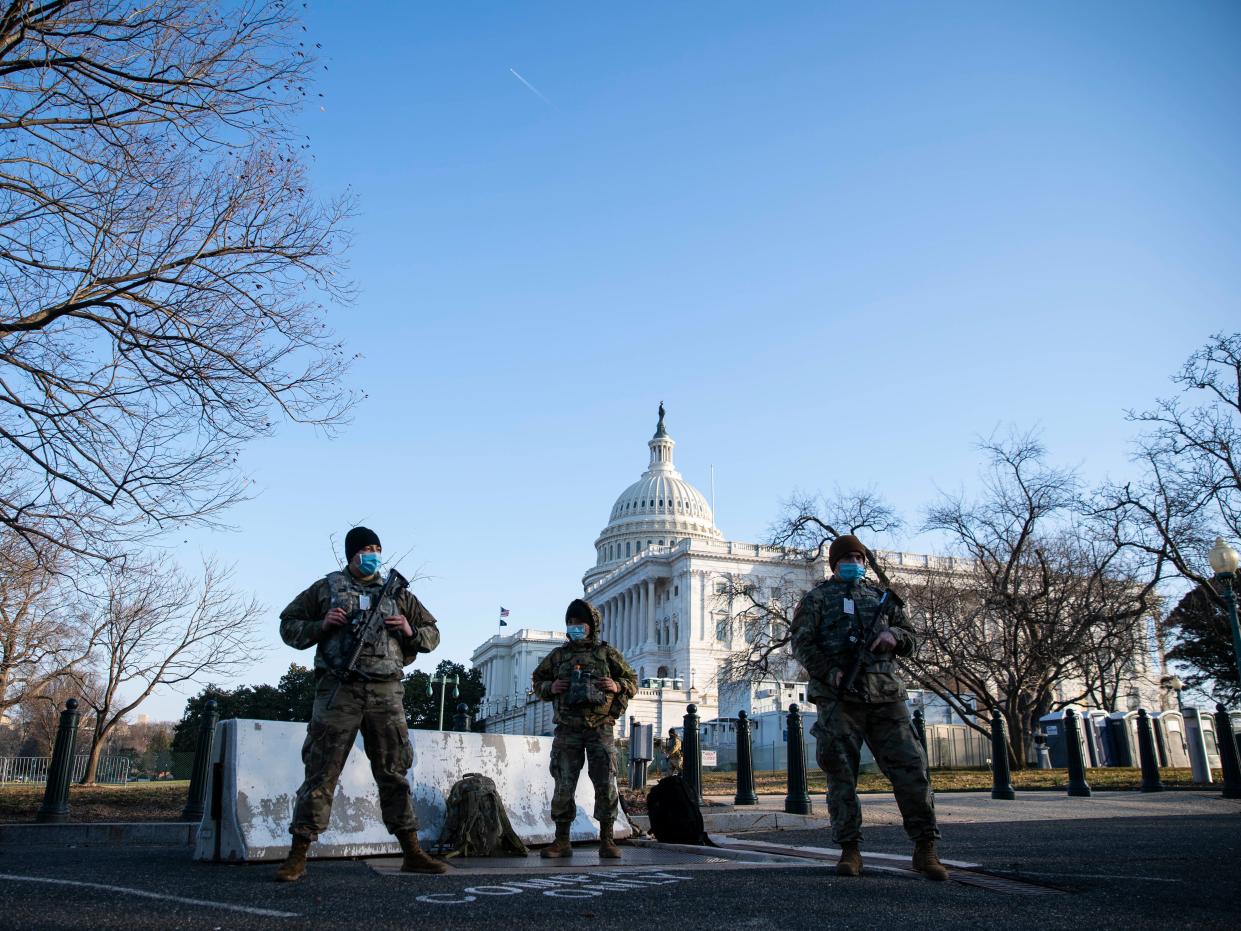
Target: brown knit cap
(843, 546)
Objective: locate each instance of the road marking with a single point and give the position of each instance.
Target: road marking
(142, 893)
(567, 886)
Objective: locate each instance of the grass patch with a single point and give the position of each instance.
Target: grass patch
(138, 801)
(958, 780)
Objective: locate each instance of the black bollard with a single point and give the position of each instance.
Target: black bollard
(195, 802)
(920, 728)
(1146, 754)
(1077, 765)
(797, 802)
(745, 763)
(1001, 778)
(1227, 753)
(691, 751)
(55, 807)
(461, 720)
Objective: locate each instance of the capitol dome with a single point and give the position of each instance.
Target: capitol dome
(660, 509)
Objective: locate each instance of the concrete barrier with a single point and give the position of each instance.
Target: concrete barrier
(257, 767)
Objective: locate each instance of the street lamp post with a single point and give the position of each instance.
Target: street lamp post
(1224, 560)
(442, 681)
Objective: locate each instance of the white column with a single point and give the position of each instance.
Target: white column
(649, 617)
(634, 607)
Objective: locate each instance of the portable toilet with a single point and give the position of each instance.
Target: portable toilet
(1121, 730)
(1197, 728)
(1170, 739)
(1054, 729)
(1098, 751)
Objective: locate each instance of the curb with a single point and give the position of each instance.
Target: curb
(732, 822)
(140, 834)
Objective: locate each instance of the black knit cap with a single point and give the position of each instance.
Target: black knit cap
(357, 538)
(843, 546)
(580, 610)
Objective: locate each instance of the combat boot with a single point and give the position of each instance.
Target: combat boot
(416, 859)
(607, 847)
(561, 846)
(927, 862)
(294, 866)
(850, 862)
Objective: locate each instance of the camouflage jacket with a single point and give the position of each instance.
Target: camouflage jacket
(301, 626)
(600, 660)
(821, 639)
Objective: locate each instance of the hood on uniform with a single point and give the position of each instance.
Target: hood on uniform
(582, 612)
(357, 538)
(843, 546)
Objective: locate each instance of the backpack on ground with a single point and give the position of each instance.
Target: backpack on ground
(476, 824)
(674, 814)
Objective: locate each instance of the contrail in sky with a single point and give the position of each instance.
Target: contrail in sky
(535, 90)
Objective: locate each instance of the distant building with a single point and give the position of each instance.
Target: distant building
(660, 583)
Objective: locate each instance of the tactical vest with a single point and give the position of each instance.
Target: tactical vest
(589, 707)
(837, 634)
(344, 591)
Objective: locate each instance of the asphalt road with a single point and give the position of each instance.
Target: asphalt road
(1112, 873)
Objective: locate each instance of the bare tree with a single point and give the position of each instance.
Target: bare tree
(804, 530)
(161, 258)
(1042, 598)
(764, 620)
(1191, 488)
(43, 637)
(162, 629)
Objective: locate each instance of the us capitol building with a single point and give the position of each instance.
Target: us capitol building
(659, 570)
(659, 581)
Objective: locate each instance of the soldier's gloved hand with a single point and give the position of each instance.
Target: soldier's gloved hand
(884, 643)
(559, 687)
(398, 623)
(607, 684)
(334, 618)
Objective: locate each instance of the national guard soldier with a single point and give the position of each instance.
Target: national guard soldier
(370, 698)
(673, 758)
(590, 684)
(845, 632)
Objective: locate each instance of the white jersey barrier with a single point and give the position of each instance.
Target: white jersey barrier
(257, 767)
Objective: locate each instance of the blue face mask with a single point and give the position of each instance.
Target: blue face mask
(851, 571)
(576, 632)
(368, 563)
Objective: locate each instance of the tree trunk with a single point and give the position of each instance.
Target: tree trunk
(92, 756)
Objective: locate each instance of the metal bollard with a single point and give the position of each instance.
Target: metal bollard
(797, 802)
(195, 802)
(920, 728)
(55, 807)
(1077, 765)
(461, 720)
(1228, 753)
(1001, 777)
(1146, 754)
(691, 750)
(745, 763)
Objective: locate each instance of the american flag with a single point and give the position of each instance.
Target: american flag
(504, 612)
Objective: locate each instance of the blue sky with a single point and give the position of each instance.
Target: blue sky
(839, 241)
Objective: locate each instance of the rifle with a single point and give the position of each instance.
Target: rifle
(368, 629)
(848, 684)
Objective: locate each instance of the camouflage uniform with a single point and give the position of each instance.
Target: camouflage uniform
(585, 731)
(876, 714)
(673, 758)
(373, 704)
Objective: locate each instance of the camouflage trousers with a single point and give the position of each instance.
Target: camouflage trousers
(375, 709)
(570, 746)
(887, 730)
